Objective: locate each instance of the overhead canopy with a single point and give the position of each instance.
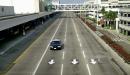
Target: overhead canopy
(8, 23)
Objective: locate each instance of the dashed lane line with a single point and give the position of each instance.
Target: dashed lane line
(39, 62)
(62, 67)
(87, 65)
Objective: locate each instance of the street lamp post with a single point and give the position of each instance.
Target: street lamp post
(80, 11)
(97, 13)
(85, 11)
(98, 6)
(117, 22)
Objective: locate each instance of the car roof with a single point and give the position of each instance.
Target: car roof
(56, 40)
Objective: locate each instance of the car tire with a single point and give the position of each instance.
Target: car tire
(50, 48)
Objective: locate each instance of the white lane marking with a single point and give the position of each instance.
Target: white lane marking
(84, 54)
(39, 62)
(75, 61)
(93, 61)
(88, 69)
(65, 32)
(76, 32)
(51, 62)
(78, 38)
(87, 66)
(77, 35)
(62, 67)
(80, 45)
(63, 55)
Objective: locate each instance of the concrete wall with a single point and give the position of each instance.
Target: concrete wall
(6, 10)
(26, 6)
(22, 6)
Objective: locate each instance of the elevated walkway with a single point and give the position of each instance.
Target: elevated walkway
(76, 7)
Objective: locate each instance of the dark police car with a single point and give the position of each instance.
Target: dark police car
(56, 44)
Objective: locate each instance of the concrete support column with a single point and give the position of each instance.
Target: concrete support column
(107, 23)
(117, 25)
(47, 16)
(24, 33)
(119, 30)
(97, 15)
(64, 7)
(71, 7)
(23, 30)
(126, 33)
(42, 21)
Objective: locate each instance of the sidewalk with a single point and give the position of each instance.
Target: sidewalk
(119, 38)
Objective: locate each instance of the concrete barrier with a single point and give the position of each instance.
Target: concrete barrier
(120, 61)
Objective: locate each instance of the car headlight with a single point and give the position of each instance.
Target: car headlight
(59, 46)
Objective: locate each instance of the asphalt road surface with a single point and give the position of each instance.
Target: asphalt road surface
(78, 43)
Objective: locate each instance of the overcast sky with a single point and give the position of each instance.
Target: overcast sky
(71, 1)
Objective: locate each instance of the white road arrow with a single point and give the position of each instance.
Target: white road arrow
(93, 61)
(75, 61)
(51, 62)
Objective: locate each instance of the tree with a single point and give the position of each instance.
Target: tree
(48, 8)
(103, 10)
(110, 17)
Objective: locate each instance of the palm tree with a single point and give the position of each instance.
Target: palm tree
(103, 11)
(110, 17)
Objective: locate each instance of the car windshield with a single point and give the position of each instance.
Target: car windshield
(55, 42)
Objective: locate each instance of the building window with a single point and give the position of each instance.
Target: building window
(121, 14)
(128, 15)
(124, 22)
(128, 23)
(114, 6)
(104, 0)
(110, 6)
(125, 15)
